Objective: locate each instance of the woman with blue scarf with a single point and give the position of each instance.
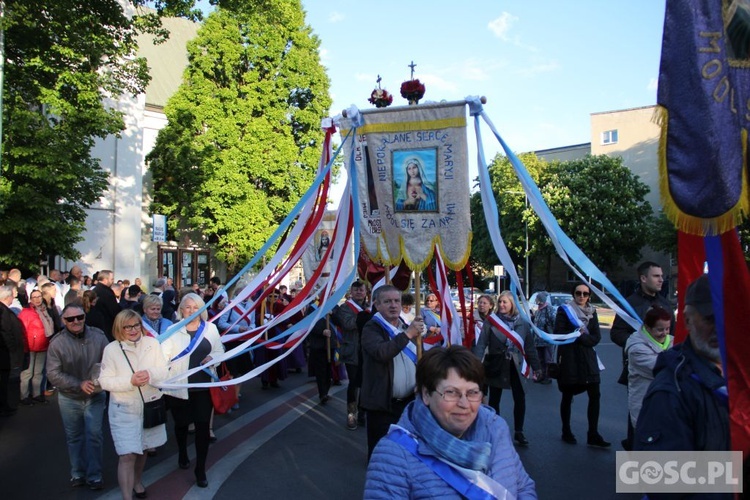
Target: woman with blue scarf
(447, 444)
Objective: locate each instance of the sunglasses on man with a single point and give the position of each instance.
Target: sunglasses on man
(72, 319)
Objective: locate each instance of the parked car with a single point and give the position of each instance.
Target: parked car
(555, 299)
(470, 294)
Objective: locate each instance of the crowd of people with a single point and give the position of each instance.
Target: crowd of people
(424, 417)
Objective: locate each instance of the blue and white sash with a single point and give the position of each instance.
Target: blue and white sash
(577, 323)
(572, 316)
(477, 487)
(410, 350)
(193, 342)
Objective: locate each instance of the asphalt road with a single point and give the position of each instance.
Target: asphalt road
(283, 444)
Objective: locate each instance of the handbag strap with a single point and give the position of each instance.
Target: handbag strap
(131, 369)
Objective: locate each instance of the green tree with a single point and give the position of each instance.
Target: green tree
(513, 213)
(598, 202)
(62, 59)
(600, 205)
(243, 137)
(663, 235)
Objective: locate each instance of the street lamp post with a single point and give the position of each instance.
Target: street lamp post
(526, 229)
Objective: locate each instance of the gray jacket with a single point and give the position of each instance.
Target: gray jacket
(346, 319)
(641, 354)
(70, 359)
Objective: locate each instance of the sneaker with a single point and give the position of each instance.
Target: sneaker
(27, 402)
(40, 399)
(96, 485)
(77, 482)
(324, 399)
(546, 381)
(596, 440)
(236, 406)
(351, 422)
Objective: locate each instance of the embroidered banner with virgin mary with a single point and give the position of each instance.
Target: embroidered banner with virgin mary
(414, 170)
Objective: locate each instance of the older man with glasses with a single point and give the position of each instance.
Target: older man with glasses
(73, 361)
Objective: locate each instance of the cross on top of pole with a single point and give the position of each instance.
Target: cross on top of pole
(412, 66)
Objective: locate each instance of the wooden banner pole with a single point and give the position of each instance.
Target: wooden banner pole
(417, 302)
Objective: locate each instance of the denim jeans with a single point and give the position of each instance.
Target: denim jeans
(82, 421)
(34, 375)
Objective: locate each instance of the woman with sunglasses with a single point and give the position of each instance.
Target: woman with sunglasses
(446, 443)
(579, 365)
(131, 364)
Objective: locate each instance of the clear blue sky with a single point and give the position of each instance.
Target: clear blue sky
(544, 66)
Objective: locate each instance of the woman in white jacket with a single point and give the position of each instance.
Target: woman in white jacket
(131, 364)
(193, 345)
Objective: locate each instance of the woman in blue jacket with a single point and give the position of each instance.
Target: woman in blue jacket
(446, 444)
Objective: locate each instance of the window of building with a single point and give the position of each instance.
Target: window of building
(609, 137)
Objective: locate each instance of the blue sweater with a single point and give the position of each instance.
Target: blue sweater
(394, 472)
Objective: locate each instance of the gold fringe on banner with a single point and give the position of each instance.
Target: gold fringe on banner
(436, 241)
(691, 224)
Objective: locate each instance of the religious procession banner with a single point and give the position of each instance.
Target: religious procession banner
(315, 254)
(355, 152)
(704, 111)
(414, 177)
(704, 106)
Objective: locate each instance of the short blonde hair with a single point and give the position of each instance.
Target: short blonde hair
(198, 302)
(125, 316)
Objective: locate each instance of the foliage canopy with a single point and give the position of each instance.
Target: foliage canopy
(242, 142)
(598, 202)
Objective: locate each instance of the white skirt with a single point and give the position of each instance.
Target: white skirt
(126, 424)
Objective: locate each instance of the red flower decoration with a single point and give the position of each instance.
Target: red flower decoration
(381, 98)
(412, 90)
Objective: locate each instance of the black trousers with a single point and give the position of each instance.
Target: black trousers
(378, 422)
(197, 410)
(321, 369)
(355, 381)
(519, 399)
(592, 411)
(10, 390)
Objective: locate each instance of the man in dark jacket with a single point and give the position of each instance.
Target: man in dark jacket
(651, 278)
(12, 335)
(686, 407)
(106, 304)
(388, 371)
(345, 317)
